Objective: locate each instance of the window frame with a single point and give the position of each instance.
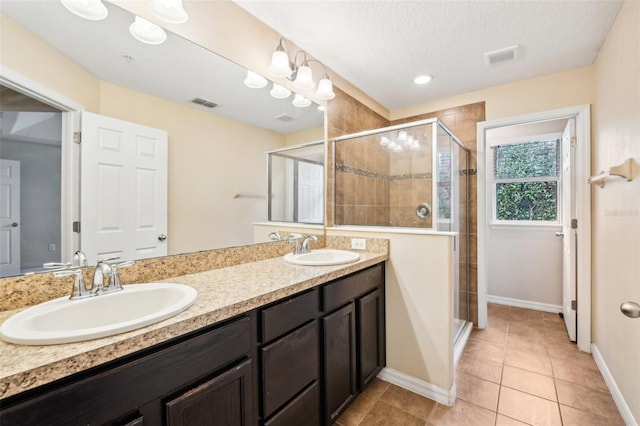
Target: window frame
(490, 160)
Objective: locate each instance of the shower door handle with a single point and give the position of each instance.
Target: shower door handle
(630, 309)
(559, 234)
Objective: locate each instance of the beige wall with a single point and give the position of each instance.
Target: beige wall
(568, 88)
(616, 207)
(306, 136)
(211, 158)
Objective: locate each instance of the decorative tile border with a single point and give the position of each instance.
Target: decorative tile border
(394, 178)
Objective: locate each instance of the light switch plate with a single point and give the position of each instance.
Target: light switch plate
(358, 244)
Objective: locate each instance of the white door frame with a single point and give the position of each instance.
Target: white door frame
(70, 177)
(582, 114)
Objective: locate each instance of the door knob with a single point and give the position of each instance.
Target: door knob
(14, 225)
(630, 309)
(559, 234)
(162, 237)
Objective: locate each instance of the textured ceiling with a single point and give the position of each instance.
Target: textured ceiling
(380, 46)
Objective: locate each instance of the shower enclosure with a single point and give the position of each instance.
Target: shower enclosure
(410, 176)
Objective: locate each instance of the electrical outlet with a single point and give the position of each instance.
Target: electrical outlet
(358, 244)
(52, 247)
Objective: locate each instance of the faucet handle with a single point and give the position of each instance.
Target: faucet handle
(80, 259)
(108, 260)
(56, 265)
(80, 290)
(114, 278)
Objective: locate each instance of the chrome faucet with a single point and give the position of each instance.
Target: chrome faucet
(109, 268)
(305, 243)
(80, 290)
(102, 268)
(275, 236)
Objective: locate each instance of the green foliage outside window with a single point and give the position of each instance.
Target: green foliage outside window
(517, 197)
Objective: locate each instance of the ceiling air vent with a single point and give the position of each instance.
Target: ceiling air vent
(285, 117)
(204, 103)
(506, 54)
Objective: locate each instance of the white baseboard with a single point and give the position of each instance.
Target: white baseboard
(428, 390)
(527, 304)
(624, 409)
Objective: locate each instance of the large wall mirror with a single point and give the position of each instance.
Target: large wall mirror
(218, 128)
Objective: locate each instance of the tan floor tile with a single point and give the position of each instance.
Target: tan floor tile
(508, 421)
(564, 352)
(573, 417)
(383, 414)
(536, 334)
(528, 361)
(491, 335)
(498, 323)
(558, 327)
(477, 391)
(528, 408)
(553, 337)
(409, 402)
(527, 345)
(376, 388)
(523, 315)
(462, 414)
(587, 399)
(480, 367)
(482, 349)
(552, 316)
(357, 410)
(529, 382)
(572, 372)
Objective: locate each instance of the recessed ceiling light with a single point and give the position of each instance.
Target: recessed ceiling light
(422, 79)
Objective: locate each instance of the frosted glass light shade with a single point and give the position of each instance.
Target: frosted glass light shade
(325, 90)
(147, 32)
(169, 10)
(280, 92)
(255, 80)
(384, 141)
(280, 64)
(304, 79)
(300, 101)
(93, 10)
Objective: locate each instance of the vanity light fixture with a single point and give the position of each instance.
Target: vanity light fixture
(147, 32)
(300, 101)
(255, 80)
(299, 71)
(170, 11)
(321, 108)
(93, 10)
(280, 92)
(400, 141)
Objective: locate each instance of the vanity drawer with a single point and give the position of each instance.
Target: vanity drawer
(346, 289)
(288, 366)
(286, 316)
(303, 410)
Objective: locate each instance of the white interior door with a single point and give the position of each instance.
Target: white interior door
(310, 192)
(123, 193)
(9, 218)
(569, 234)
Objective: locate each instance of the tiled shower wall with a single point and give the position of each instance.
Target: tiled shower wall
(346, 115)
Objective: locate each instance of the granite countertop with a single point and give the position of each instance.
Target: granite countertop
(222, 293)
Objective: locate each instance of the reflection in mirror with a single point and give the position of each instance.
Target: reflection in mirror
(296, 184)
(214, 153)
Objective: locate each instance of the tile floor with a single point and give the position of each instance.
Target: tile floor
(521, 370)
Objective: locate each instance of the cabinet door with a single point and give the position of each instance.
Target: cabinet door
(339, 348)
(224, 400)
(371, 337)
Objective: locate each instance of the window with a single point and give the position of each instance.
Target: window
(526, 180)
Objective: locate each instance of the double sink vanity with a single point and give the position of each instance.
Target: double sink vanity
(274, 341)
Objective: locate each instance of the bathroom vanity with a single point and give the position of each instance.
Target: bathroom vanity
(294, 352)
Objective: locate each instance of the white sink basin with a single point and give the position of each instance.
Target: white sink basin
(323, 257)
(65, 321)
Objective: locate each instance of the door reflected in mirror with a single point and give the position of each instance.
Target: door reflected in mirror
(296, 184)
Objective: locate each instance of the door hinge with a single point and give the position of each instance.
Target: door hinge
(574, 305)
(574, 223)
(574, 141)
(76, 226)
(77, 137)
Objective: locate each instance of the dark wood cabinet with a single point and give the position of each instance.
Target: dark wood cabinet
(224, 400)
(297, 361)
(354, 341)
(136, 387)
(339, 366)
